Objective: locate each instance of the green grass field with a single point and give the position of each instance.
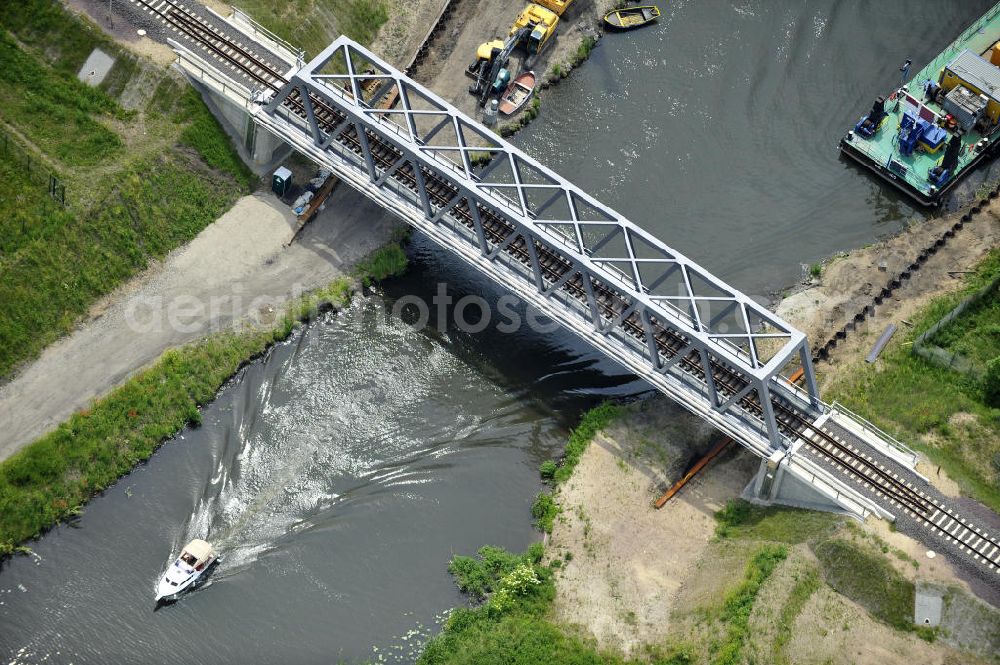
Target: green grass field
(918, 401)
(60, 115)
(68, 260)
(45, 26)
(313, 24)
(976, 334)
(27, 213)
(138, 183)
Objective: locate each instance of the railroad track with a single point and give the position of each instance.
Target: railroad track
(614, 307)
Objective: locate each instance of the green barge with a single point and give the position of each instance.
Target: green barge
(943, 121)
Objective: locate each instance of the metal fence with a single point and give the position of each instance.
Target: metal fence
(36, 172)
(924, 347)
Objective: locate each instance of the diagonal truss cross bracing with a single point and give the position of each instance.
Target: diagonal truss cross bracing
(642, 303)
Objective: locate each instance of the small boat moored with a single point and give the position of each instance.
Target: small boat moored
(517, 93)
(631, 17)
(195, 560)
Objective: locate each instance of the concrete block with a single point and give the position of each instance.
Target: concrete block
(96, 68)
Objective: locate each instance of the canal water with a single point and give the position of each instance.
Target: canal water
(340, 473)
(718, 129)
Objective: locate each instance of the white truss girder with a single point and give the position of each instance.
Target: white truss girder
(665, 317)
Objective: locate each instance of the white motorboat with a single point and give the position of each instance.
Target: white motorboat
(193, 563)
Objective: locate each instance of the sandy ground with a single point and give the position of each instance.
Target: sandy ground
(236, 268)
(409, 22)
(630, 561)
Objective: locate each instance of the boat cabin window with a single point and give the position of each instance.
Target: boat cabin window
(189, 559)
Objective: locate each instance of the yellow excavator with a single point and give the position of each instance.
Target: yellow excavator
(532, 30)
(542, 23)
(489, 70)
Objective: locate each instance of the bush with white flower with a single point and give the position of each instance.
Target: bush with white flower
(515, 583)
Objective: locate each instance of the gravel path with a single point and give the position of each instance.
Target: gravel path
(238, 267)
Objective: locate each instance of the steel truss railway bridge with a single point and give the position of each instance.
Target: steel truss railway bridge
(708, 346)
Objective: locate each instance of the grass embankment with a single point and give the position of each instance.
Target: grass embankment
(313, 25)
(740, 601)
(46, 26)
(180, 104)
(139, 182)
(64, 118)
(50, 479)
(852, 562)
(70, 261)
(941, 412)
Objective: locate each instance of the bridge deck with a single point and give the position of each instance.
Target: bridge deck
(645, 304)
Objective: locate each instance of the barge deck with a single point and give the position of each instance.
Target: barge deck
(909, 165)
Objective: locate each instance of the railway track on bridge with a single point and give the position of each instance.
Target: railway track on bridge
(825, 445)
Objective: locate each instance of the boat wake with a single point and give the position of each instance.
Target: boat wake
(302, 433)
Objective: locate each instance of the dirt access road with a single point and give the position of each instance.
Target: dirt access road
(239, 266)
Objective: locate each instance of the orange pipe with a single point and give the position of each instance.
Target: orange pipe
(718, 448)
(797, 375)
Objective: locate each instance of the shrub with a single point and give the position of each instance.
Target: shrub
(383, 263)
(478, 576)
(544, 510)
(515, 583)
(592, 422)
(547, 469)
(583, 50)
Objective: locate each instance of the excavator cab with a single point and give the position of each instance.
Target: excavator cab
(480, 67)
(487, 50)
(542, 25)
(536, 41)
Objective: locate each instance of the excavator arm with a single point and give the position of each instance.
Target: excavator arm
(499, 61)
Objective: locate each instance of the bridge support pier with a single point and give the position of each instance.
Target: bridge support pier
(259, 149)
(775, 485)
